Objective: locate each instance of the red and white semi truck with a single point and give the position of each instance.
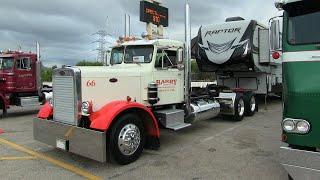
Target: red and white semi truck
(115, 111)
(20, 80)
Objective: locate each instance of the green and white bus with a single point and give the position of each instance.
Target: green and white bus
(301, 88)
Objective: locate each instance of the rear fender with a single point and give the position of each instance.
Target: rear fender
(103, 118)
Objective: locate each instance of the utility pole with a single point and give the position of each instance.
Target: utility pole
(102, 45)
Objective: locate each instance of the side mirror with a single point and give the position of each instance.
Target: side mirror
(180, 57)
(275, 35)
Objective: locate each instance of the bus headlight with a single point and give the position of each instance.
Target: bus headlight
(303, 127)
(50, 100)
(288, 125)
(298, 126)
(86, 108)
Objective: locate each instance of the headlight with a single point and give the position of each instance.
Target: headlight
(86, 108)
(50, 102)
(299, 126)
(288, 125)
(303, 127)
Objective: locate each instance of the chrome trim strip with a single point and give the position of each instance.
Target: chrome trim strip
(300, 164)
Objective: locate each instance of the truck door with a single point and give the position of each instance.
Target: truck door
(168, 77)
(25, 70)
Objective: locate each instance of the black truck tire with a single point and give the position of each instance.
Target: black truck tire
(126, 139)
(251, 105)
(3, 110)
(239, 108)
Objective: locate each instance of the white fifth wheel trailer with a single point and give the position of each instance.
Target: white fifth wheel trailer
(238, 51)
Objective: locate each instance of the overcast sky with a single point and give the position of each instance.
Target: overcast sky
(64, 28)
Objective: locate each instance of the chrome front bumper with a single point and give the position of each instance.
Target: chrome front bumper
(81, 141)
(300, 164)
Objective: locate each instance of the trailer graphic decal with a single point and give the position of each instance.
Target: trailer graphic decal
(221, 48)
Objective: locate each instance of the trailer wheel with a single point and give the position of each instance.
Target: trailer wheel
(251, 105)
(126, 139)
(239, 109)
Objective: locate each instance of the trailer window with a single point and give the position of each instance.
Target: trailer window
(24, 64)
(6, 63)
(303, 26)
(138, 54)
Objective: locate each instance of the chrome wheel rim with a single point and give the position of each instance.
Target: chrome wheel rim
(129, 139)
(253, 104)
(241, 107)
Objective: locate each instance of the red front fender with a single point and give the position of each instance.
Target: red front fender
(45, 111)
(102, 119)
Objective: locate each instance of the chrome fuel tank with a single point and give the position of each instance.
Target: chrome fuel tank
(203, 110)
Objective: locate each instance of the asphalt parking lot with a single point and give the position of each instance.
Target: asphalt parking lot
(212, 149)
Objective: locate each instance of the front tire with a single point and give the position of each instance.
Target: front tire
(3, 110)
(126, 139)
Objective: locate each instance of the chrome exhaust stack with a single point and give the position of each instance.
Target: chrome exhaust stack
(38, 71)
(187, 61)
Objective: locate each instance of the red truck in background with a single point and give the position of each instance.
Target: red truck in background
(20, 80)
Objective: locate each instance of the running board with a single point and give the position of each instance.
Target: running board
(172, 119)
(177, 126)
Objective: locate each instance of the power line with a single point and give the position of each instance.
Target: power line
(103, 47)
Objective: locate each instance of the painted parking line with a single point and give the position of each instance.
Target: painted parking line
(56, 162)
(17, 158)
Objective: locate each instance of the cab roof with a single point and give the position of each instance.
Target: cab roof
(156, 42)
(15, 53)
(290, 1)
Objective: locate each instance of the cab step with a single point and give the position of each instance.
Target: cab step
(177, 126)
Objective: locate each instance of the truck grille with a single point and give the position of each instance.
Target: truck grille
(66, 97)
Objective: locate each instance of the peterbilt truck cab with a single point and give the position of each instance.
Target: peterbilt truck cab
(20, 82)
(113, 112)
(301, 61)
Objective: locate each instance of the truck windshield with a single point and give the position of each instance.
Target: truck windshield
(138, 54)
(6, 63)
(132, 54)
(303, 26)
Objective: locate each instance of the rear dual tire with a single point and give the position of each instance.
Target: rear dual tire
(251, 106)
(126, 139)
(244, 106)
(239, 109)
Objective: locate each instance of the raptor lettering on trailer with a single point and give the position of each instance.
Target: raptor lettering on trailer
(215, 32)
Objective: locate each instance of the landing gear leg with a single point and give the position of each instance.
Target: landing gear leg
(265, 102)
